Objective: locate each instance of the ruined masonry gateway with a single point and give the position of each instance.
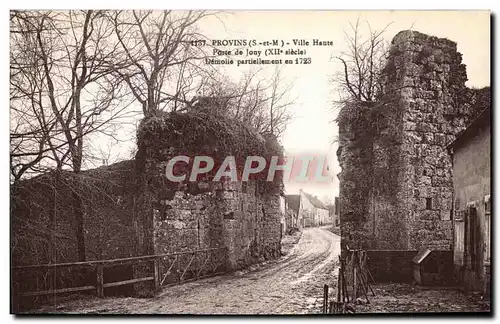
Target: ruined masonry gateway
(396, 180)
(243, 217)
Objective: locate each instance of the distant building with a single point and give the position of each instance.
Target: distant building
(333, 211)
(283, 220)
(471, 153)
(336, 220)
(293, 217)
(313, 211)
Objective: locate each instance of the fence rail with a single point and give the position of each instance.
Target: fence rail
(161, 270)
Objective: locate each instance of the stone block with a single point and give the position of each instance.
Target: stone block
(228, 195)
(428, 138)
(425, 181)
(430, 215)
(445, 215)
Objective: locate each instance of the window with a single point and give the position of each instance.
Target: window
(472, 236)
(428, 203)
(229, 215)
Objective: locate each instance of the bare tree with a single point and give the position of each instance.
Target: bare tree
(362, 64)
(60, 68)
(279, 101)
(159, 52)
(263, 103)
(30, 127)
(62, 90)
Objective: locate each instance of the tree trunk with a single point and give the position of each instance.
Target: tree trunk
(80, 235)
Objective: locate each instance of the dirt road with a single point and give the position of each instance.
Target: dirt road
(290, 285)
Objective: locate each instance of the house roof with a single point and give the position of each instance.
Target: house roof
(482, 120)
(315, 201)
(293, 201)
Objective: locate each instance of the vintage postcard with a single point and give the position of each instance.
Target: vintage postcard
(250, 162)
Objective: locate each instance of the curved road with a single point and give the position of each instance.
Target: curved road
(290, 285)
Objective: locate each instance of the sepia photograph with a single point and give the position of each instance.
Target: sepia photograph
(250, 162)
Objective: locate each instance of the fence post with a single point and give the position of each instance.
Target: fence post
(325, 299)
(156, 266)
(339, 283)
(354, 276)
(100, 281)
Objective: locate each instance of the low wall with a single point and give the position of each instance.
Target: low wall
(43, 216)
(398, 266)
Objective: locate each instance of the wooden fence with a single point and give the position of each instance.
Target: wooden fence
(160, 270)
(354, 279)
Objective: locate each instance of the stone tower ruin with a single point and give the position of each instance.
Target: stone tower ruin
(396, 179)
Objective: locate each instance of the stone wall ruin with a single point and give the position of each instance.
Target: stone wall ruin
(396, 180)
(243, 217)
(132, 209)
